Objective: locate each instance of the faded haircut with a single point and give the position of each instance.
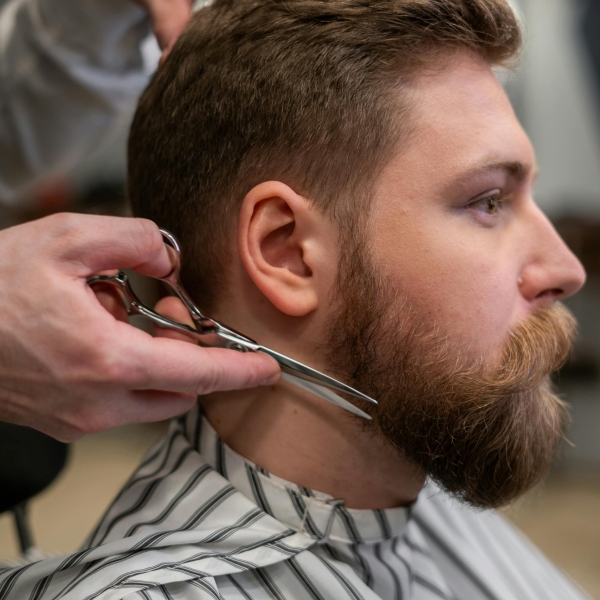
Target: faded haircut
(312, 93)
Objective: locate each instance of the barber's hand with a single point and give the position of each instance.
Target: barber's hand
(67, 365)
(168, 17)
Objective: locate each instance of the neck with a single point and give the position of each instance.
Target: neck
(306, 440)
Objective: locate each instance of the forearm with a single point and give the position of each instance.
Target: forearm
(69, 69)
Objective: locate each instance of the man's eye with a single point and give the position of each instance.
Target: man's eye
(490, 205)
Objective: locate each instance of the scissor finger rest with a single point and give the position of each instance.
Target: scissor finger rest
(135, 306)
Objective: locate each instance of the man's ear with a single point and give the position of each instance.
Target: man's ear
(278, 244)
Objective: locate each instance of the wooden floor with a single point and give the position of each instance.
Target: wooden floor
(562, 517)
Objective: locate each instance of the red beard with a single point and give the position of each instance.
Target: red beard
(485, 434)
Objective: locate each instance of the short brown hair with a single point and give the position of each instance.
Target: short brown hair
(298, 91)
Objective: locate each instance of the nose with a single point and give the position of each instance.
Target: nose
(552, 271)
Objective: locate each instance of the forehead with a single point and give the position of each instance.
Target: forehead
(462, 120)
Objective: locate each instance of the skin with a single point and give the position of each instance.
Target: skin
(168, 17)
(69, 367)
(475, 267)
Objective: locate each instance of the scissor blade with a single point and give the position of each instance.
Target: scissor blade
(302, 371)
(324, 393)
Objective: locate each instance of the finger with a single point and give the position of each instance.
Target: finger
(111, 300)
(174, 309)
(173, 366)
(133, 407)
(149, 406)
(96, 243)
(169, 17)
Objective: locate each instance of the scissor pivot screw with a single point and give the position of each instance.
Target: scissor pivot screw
(237, 347)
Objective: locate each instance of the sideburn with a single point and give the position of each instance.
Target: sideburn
(486, 435)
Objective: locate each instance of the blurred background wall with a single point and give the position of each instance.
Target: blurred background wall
(556, 98)
(556, 95)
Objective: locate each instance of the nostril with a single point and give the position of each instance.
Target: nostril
(551, 295)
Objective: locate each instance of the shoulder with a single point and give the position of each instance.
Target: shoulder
(484, 546)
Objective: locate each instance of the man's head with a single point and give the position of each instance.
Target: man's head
(349, 181)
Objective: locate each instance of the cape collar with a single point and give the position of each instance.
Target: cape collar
(310, 512)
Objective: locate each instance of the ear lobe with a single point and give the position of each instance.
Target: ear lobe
(273, 238)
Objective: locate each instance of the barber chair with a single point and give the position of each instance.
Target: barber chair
(29, 462)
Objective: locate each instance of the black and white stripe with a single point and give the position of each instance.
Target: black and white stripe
(197, 521)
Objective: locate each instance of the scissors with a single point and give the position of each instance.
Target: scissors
(211, 333)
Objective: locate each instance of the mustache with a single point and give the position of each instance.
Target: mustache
(538, 346)
(534, 349)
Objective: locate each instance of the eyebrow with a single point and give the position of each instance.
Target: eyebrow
(519, 171)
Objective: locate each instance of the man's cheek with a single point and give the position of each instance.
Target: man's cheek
(491, 316)
(476, 308)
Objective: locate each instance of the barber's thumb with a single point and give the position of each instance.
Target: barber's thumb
(174, 309)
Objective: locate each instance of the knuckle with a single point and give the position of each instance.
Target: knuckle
(64, 223)
(65, 229)
(112, 371)
(119, 370)
(107, 364)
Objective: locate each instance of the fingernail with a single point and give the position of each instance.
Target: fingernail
(271, 379)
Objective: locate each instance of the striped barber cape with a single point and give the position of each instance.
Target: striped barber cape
(197, 521)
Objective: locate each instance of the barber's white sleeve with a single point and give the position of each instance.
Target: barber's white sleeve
(69, 69)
